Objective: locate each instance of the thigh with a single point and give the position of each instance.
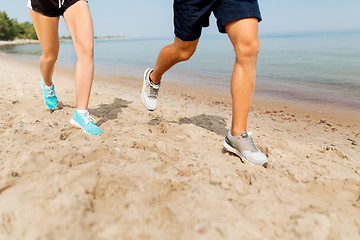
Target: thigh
(80, 25)
(243, 32)
(47, 31)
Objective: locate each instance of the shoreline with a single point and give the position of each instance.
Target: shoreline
(268, 105)
(328, 101)
(19, 42)
(323, 110)
(61, 39)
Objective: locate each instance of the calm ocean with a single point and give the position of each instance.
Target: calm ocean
(316, 67)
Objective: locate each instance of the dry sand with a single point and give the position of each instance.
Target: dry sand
(164, 174)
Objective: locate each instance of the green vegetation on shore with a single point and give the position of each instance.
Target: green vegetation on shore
(11, 29)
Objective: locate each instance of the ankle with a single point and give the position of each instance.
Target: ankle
(237, 132)
(80, 111)
(153, 78)
(48, 84)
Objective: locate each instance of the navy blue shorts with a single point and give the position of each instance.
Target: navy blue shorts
(51, 8)
(190, 16)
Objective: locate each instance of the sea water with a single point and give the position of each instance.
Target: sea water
(315, 66)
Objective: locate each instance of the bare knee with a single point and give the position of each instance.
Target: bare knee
(184, 49)
(248, 49)
(85, 49)
(48, 58)
(185, 54)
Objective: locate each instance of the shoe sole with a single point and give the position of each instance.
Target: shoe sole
(50, 107)
(143, 91)
(237, 153)
(76, 124)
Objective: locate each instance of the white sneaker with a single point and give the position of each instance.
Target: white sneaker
(149, 93)
(245, 148)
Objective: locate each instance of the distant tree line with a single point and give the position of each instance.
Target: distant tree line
(11, 29)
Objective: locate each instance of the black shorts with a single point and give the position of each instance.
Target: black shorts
(50, 8)
(190, 16)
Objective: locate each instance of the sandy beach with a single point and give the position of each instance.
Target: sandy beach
(165, 174)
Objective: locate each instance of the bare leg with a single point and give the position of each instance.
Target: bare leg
(244, 37)
(47, 32)
(79, 23)
(172, 54)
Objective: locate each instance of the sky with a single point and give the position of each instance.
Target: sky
(154, 18)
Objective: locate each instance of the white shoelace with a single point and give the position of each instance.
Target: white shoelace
(254, 147)
(251, 145)
(61, 2)
(50, 93)
(154, 88)
(87, 118)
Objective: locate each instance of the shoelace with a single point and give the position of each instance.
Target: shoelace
(251, 144)
(61, 2)
(50, 93)
(153, 90)
(87, 118)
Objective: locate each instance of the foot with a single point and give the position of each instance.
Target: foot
(245, 148)
(149, 93)
(86, 122)
(49, 96)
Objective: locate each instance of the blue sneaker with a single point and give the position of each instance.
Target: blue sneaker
(49, 96)
(86, 122)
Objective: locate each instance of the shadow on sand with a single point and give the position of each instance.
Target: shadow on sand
(212, 123)
(108, 112)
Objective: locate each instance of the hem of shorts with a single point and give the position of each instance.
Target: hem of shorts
(240, 16)
(55, 15)
(45, 14)
(72, 3)
(187, 38)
